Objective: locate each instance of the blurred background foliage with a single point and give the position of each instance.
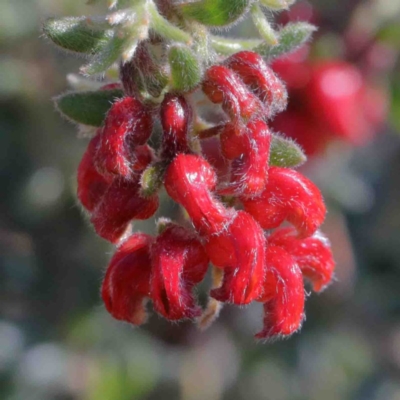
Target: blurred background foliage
(56, 340)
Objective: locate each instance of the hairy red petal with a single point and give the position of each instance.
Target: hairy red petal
(91, 184)
(313, 255)
(249, 170)
(189, 180)
(283, 296)
(244, 260)
(128, 124)
(222, 85)
(179, 262)
(288, 196)
(120, 205)
(254, 72)
(176, 115)
(126, 284)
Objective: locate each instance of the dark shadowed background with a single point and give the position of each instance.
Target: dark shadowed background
(56, 340)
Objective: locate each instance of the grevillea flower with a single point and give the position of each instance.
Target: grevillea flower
(126, 284)
(176, 115)
(288, 196)
(312, 254)
(128, 124)
(283, 295)
(179, 262)
(255, 73)
(233, 178)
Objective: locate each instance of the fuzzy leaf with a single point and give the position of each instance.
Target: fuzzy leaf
(290, 37)
(215, 12)
(228, 46)
(185, 68)
(285, 153)
(81, 35)
(88, 108)
(107, 56)
(263, 26)
(277, 5)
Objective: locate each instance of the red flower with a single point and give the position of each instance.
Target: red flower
(283, 295)
(176, 115)
(126, 284)
(128, 124)
(288, 196)
(255, 73)
(178, 263)
(312, 254)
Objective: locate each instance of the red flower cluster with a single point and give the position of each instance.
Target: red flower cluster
(328, 99)
(267, 267)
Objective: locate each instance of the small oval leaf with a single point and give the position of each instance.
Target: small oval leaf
(285, 153)
(80, 35)
(88, 108)
(215, 12)
(290, 37)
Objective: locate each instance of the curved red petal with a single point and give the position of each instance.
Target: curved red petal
(179, 262)
(126, 284)
(313, 255)
(283, 295)
(289, 196)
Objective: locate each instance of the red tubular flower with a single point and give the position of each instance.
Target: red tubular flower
(336, 93)
(232, 239)
(178, 263)
(288, 196)
(91, 184)
(244, 274)
(222, 85)
(127, 281)
(250, 149)
(121, 204)
(254, 72)
(189, 181)
(128, 124)
(176, 115)
(313, 255)
(283, 296)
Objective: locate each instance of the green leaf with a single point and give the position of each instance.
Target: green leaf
(185, 68)
(107, 56)
(88, 108)
(231, 46)
(81, 35)
(277, 5)
(285, 153)
(215, 12)
(290, 37)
